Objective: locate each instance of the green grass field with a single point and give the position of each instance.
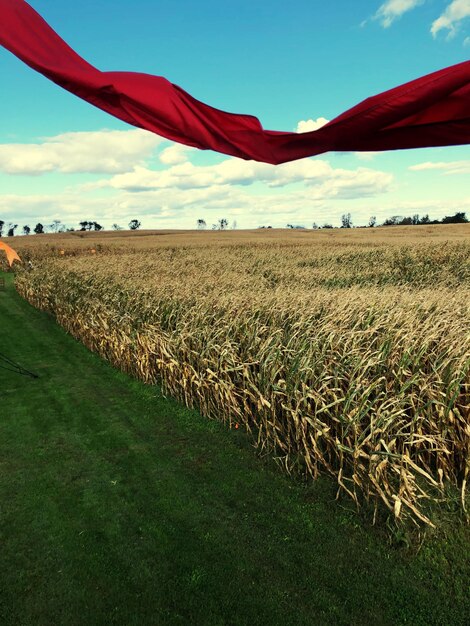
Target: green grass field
(118, 506)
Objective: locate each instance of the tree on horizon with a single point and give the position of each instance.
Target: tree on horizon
(346, 220)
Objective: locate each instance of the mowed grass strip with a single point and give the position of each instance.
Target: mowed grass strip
(119, 506)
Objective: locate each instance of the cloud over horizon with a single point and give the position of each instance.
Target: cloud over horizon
(101, 152)
(315, 175)
(168, 185)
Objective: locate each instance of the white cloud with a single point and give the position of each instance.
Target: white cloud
(158, 208)
(466, 42)
(450, 20)
(305, 126)
(175, 154)
(365, 156)
(174, 194)
(310, 172)
(450, 167)
(180, 191)
(181, 176)
(175, 208)
(391, 10)
(105, 151)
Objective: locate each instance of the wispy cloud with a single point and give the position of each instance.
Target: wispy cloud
(365, 156)
(449, 167)
(392, 10)
(451, 18)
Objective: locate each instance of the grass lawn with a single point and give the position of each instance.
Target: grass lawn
(118, 506)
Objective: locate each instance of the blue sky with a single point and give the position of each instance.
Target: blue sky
(286, 63)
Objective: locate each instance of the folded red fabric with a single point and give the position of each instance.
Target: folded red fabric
(433, 110)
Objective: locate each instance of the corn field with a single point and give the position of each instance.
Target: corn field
(341, 354)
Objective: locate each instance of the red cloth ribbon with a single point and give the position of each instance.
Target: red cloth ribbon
(433, 110)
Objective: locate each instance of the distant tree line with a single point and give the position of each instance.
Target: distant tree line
(397, 220)
(58, 227)
(222, 224)
(415, 220)
(347, 222)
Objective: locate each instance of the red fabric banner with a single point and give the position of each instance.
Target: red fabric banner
(433, 110)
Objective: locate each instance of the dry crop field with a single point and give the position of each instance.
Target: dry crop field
(344, 352)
